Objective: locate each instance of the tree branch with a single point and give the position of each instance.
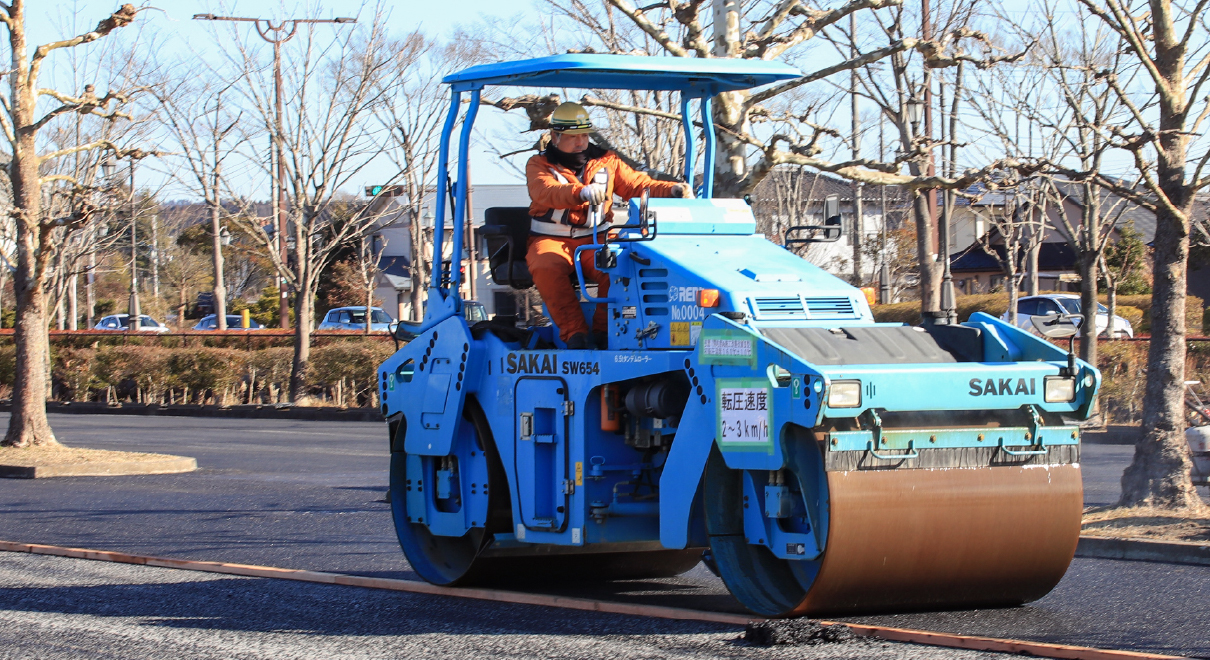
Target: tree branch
(768, 46)
(857, 62)
(119, 19)
(654, 31)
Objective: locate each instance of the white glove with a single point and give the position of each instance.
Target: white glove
(681, 190)
(594, 193)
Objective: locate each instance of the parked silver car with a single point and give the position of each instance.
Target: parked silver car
(1060, 303)
(354, 318)
(121, 323)
(234, 322)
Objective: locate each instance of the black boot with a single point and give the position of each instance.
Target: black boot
(600, 340)
(579, 341)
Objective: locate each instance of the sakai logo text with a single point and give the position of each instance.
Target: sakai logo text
(1002, 386)
(547, 363)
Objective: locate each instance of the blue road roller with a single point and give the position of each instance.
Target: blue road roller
(747, 407)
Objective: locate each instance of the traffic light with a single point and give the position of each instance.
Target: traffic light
(373, 191)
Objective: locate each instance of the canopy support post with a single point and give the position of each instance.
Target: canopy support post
(464, 141)
(708, 148)
(687, 123)
(443, 186)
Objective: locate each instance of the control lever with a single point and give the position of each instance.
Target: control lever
(594, 210)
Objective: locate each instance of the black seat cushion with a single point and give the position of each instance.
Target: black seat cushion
(519, 278)
(506, 230)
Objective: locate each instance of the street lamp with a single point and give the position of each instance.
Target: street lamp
(277, 35)
(915, 109)
(107, 169)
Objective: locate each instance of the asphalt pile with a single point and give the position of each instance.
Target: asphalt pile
(797, 632)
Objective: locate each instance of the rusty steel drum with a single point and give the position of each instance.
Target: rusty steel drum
(909, 539)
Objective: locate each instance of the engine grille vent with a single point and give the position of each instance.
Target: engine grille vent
(828, 307)
(773, 308)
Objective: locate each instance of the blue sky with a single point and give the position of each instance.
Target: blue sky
(179, 35)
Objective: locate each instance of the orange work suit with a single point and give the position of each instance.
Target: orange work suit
(550, 265)
(560, 224)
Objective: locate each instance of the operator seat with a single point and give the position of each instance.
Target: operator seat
(506, 231)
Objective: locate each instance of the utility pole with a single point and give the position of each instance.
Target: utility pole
(220, 288)
(90, 300)
(277, 35)
(884, 273)
(858, 233)
(155, 256)
(134, 314)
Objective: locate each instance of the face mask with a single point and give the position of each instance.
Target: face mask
(574, 162)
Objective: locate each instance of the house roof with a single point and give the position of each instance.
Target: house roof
(1051, 257)
(1122, 212)
(397, 272)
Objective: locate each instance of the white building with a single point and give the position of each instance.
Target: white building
(395, 279)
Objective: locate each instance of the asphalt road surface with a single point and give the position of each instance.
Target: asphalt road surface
(71, 608)
(308, 495)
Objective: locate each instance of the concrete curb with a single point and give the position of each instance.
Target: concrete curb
(230, 412)
(1171, 552)
(170, 465)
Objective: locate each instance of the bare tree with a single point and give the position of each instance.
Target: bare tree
(785, 123)
(328, 139)
(1019, 220)
(1065, 65)
(1170, 42)
(21, 122)
(206, 134)
(412, 114)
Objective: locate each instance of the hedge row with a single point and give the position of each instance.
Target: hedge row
(1136, 309)
(1124, 376)
(340, 373)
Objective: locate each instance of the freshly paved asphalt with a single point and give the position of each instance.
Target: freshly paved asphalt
(68, 608)
(309, 495)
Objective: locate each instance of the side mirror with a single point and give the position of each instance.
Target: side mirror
(831, 210)
(1056, 326)
(405, 330)
(828, 232)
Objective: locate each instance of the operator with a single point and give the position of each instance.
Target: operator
(563, 184)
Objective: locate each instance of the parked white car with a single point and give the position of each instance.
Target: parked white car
(354, 318)
(121, 323)
(1060, 303)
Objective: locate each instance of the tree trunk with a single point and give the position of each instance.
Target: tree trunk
(220, 289)
(304, 305)
(28, 424)
(1111, 291)
(416, 268)
(1159, 473)
(1010, 271)
(1088, 305)
(930, 272)
(1031, 278)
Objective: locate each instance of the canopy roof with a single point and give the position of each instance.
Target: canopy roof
(692, 76)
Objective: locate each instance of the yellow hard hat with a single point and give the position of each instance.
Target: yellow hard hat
(570, 119)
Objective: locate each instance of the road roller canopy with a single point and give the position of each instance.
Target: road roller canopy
(694, 77)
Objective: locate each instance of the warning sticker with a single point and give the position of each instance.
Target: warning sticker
(745, 414)
(685, 333)
(727, 347)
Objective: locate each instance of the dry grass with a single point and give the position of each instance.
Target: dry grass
(1147, 523)
(60, 455)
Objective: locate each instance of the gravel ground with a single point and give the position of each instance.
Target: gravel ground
(52, 607)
